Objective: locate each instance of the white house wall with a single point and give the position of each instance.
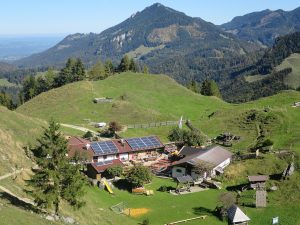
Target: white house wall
(124, 157)
(222, 165)
(178, 171)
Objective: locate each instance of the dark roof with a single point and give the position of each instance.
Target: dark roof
(102, 166)
(184, 179)
(214, 155)
(187, 150)
(258, 178)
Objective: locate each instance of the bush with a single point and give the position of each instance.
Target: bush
(267, 142)
(115, 126)
(88, 134)
(138, 176)
(114, 171)
(146, 222)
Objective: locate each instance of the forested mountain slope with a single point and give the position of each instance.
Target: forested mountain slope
(264, 26)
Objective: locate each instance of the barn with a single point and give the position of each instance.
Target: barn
(215, 158)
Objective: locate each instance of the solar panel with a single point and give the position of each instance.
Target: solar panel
(144, 143)
(106, 147)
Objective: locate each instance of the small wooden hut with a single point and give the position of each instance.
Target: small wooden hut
(237, 216)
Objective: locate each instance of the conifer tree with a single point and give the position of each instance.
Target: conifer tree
(133, 66)
(97, 72)
(145, 69)
(109, 68)
(56, 179)
(210, 88)
(124, 64)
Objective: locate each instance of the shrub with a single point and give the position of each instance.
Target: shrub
(114, 171)
(146, 222)
(138, 176)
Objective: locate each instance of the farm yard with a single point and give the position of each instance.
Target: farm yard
(272, 118)
(163, 207)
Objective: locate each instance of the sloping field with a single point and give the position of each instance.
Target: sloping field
(293, 61)
(16, 131)
(292, 79)
(140, 99)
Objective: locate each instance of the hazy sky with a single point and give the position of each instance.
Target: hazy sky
(71, 16)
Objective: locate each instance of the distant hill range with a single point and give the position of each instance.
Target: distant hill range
(278, 69)
(168, 41)
(265, 26)
(183, 47)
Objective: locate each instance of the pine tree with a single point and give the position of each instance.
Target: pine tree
(133, 66)
(210, 88)
(55, 179)
(29, 88)
(109, 68)
(79, 71)
(97, 72)
(124, 64)
(193, 85)
(6, 100)
(145, 69)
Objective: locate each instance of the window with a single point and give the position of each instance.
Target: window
(179, 170)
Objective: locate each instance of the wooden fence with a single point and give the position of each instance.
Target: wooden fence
(157, 124)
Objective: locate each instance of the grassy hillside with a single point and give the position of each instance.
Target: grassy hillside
(16, 131)
(156, 98)
(293, 61)
(147, 98)
(292, 79)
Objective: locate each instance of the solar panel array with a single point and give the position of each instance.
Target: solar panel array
(104, 163)
(144, 143)
(104, 148)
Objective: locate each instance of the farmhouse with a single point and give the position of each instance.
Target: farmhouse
(94, 170)
(80, 147)
(214, 159)
(104, 154)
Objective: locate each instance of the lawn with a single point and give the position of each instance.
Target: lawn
(164, 207)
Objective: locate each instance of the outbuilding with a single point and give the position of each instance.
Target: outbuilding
(215, 158)
(237, 216)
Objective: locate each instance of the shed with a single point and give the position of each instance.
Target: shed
(102, 100)
(258, 181)
(237, 216)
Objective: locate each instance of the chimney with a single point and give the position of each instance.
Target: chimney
(87, 146)
(122, 142)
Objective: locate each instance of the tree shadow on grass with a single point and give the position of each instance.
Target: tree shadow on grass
(123, 184)
(239, 187)
(277, 176)
(18, 203)
(201, 211)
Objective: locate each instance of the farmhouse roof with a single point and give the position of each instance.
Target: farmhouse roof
(102, 166)
(187, 150)
(214, 155)
(78, 145)
(236, 215)
(258, 178)
(126, 145)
